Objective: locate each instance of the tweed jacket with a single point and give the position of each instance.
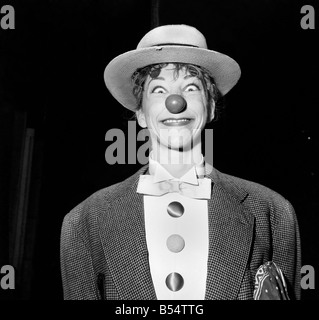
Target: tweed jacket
(104, 252)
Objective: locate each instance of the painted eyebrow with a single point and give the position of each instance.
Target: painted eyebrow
(189, 76)
(157, 78)
(161, 78)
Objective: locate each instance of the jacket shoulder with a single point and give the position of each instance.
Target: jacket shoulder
(253, 191)
(261, 201)
(97, 203)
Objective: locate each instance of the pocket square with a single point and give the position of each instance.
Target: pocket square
(270, 283)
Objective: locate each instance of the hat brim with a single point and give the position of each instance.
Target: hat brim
(117, 75)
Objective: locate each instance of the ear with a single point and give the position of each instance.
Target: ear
(211, 114)
(141, 118)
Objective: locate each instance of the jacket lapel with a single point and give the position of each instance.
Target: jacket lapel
(230, 237)
(123, 239)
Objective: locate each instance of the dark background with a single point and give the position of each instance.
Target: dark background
(51, 80)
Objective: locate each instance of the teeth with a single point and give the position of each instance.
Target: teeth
(176, 120)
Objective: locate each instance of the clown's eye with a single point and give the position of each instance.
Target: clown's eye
(192, 87)
(158, 89)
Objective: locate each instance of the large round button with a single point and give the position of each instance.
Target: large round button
(175, 103)
(174, 281)
(175, 209)
(175, 243)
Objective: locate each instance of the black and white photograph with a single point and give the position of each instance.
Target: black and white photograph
(159, 150)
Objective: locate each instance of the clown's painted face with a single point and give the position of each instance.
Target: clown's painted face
(173, 130)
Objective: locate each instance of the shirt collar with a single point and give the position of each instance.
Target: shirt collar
(191, 176)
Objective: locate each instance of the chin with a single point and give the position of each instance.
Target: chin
(184, 145)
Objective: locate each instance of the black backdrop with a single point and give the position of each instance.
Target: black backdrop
(51, 70)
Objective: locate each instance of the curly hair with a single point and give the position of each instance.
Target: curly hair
(211, 91)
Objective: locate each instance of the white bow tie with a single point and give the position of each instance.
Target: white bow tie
(147, 186)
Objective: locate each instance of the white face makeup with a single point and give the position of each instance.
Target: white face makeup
(174, 131)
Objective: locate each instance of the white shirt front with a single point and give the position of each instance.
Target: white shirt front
(191, 231)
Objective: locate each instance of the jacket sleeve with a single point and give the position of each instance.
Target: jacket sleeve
(76, 265)
(286, 247)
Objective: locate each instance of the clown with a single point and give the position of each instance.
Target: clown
(179, 229)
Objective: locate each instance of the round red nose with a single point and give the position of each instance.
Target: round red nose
(175, 103)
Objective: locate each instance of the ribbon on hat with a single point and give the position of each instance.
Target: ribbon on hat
(202, 190)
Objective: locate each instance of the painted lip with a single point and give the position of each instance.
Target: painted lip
(172, 122)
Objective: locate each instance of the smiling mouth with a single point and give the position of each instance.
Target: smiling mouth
(176, 122)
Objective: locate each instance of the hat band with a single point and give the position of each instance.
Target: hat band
(174, 44)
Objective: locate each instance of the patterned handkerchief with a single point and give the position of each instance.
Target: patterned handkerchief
(270, 283)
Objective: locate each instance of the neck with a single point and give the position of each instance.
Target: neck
(177, 162)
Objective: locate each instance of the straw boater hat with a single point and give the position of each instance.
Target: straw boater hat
(168, 43)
